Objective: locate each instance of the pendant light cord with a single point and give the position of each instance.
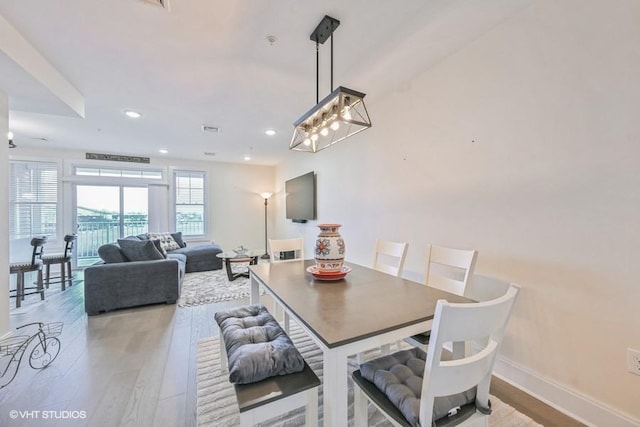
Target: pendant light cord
(331, 63)
(317, 72)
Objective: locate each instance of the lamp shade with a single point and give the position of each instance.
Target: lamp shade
(338, 116)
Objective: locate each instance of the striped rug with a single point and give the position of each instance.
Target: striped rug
(216, 405)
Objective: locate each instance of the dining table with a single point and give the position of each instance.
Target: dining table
(362, 311)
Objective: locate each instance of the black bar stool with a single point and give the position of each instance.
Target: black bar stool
(20, 268)
(65, 263)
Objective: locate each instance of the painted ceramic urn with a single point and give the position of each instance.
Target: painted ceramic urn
(330, 249)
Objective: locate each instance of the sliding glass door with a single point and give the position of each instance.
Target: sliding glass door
(105, 213)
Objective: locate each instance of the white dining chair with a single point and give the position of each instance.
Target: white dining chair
(434, 391)
(389, 257)
(447, 269)
(279, 247)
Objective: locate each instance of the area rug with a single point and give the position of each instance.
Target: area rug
(206, 287)
(216, 402)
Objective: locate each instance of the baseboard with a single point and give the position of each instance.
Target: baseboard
(570, 402)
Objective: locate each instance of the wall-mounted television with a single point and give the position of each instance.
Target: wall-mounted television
(301, 197)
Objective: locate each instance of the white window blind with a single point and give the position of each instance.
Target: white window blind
(33, 199)
(190, 205)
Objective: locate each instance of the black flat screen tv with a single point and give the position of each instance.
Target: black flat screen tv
(301, 197)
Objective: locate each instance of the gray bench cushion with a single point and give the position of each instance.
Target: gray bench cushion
(257, 347)
(399, 377)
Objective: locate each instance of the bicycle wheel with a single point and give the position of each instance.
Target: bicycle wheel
(44, 353)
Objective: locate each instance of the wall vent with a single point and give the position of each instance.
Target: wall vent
(213, 129)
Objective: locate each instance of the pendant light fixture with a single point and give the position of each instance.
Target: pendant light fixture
(339, 115)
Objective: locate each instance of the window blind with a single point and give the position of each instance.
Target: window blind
(33, 199)
(190, 204)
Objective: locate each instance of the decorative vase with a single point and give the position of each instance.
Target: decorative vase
(330, 249)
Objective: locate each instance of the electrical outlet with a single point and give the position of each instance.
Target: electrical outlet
(633, 361)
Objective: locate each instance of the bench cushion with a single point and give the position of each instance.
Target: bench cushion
(399, 377)
(257, 347)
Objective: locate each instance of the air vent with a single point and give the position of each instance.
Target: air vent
(209, 153)
(213, 129)
(162, 3)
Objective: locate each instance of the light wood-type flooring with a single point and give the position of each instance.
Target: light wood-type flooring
(137, 367)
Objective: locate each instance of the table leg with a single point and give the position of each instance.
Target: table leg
(227, 265)
(335, 389)
(255, 290)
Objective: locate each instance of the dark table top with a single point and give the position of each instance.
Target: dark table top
(363, 304)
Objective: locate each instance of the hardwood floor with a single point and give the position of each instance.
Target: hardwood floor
(137, 367)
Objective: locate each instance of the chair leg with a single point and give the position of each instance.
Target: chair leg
(62, 276)
(19, 289)
(40, 285)
(68, 263)
(48, 275)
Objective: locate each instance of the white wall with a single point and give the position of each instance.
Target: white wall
(523, 145)
(4, 207)
(236, 209)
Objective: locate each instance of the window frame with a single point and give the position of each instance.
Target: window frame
(53, 235)
(205, 200)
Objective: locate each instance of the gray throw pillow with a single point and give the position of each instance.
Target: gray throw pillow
(111, 253)
(159, 247)
(178, 238)
(139, 250)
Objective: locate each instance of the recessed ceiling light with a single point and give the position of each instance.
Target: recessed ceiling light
(270, 132)
(247, 158)
(163, 151)
(132, 114)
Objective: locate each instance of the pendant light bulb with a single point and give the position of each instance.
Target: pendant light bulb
(335, 125)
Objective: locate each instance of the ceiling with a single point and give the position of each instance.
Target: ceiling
(208, 62)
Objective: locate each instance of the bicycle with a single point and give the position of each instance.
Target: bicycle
(45, 351)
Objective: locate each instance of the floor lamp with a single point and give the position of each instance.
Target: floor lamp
(265, 196)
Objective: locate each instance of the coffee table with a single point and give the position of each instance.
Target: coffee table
(231, 257)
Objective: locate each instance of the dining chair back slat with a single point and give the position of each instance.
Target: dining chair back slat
(389, 257)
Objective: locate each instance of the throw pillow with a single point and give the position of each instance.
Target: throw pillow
(159, 247)
(166, 241)
(139, 250)
(111, 253)
(178, 238)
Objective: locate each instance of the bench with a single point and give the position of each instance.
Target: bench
(274, 395)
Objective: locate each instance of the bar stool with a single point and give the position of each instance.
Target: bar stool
(65, 263)
(20, 268)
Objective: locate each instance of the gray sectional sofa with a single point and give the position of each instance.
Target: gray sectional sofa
(138, 271)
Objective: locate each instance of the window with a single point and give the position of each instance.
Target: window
(33, 199)
(190, 213)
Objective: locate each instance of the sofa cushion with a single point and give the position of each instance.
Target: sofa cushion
(166, 240)
(178, 238)
(256, 345)
(111, 253)
(139, 250)
(201, 257)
